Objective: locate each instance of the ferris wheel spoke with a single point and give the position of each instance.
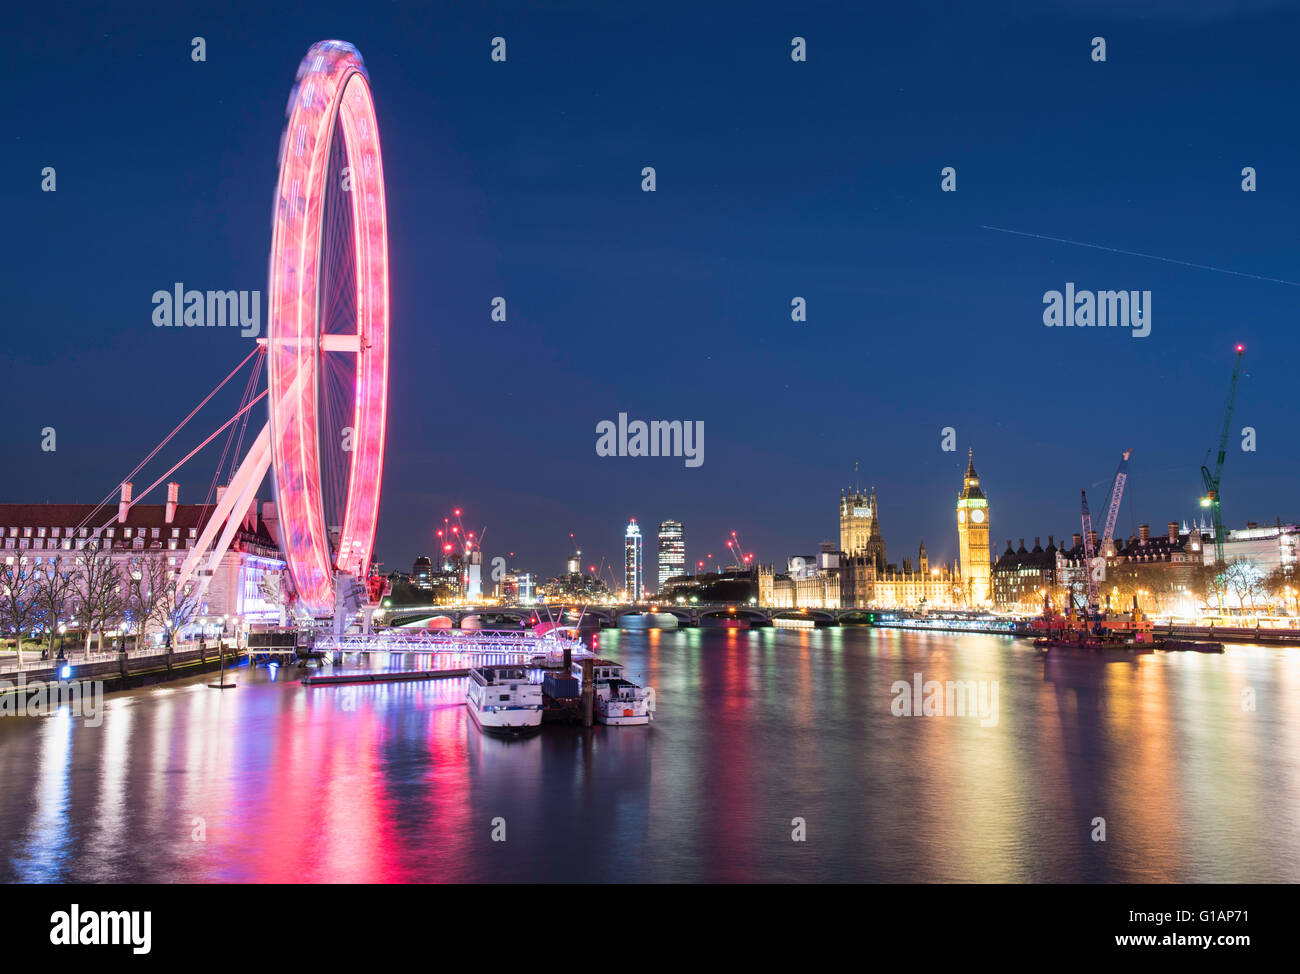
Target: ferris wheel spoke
(340, 343)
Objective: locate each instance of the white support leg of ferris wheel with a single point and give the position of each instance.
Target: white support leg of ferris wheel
(237, 497)
(240, 491)
(257, 464)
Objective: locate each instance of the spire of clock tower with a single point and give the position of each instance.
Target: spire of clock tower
(971, 482)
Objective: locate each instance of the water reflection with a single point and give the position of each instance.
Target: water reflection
(276, 782)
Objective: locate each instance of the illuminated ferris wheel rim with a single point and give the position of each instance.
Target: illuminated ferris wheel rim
(332, 91)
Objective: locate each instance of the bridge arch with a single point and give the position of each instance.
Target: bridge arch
(827, 616)
(734, 612)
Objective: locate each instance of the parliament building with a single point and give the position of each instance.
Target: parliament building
(860, 575)
(868, 580)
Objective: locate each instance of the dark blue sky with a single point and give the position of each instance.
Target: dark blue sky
(775, 179)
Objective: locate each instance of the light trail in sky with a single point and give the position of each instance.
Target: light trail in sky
(1133, 253)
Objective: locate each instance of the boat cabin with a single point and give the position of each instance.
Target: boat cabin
(602, 670)
(498, 675)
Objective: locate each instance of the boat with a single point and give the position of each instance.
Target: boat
(502, 699)
(1085, 643)
(1189, 645)
(617, 701)
(1108, 636)
(1130, 632)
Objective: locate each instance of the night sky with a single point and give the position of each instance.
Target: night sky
(775, 179)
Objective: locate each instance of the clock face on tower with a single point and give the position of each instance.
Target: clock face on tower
(961, 517)
(977, 516)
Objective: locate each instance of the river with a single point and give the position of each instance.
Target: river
(761, 737)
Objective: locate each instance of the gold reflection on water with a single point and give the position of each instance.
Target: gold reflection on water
(1137, 738)
(394, 782)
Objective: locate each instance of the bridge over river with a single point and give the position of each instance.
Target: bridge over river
(685, 616)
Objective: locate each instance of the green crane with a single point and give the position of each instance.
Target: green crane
(1212, 496)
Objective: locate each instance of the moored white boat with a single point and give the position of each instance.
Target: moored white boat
(618, 701)
(503, 699)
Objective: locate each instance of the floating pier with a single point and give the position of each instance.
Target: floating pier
(780, 623)
(398, 676)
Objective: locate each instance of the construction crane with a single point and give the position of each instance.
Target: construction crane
(1116, 495)
(738, 554)
(1212, 497)
(1094, 602)
(1095, 558)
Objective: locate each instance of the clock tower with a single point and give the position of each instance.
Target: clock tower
(973, 537)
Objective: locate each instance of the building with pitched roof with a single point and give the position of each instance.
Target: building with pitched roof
(239, 586)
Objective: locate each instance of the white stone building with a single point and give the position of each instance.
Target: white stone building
(41, 533)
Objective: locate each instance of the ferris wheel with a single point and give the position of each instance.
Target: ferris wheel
(326, 343)
(329, 310)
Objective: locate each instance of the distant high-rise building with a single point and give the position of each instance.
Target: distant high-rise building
(422, 573)
(574, 565)
(632, 560)
(672, 551)
(473, 586)
(519, 587)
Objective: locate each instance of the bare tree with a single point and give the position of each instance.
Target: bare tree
(1210, 582)
(1280, 585)
(56, 584)
(173, 607)
(1243, 579)
(100, 592)
(143, 580)
(19, 611)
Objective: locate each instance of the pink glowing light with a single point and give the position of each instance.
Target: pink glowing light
(332, 87)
